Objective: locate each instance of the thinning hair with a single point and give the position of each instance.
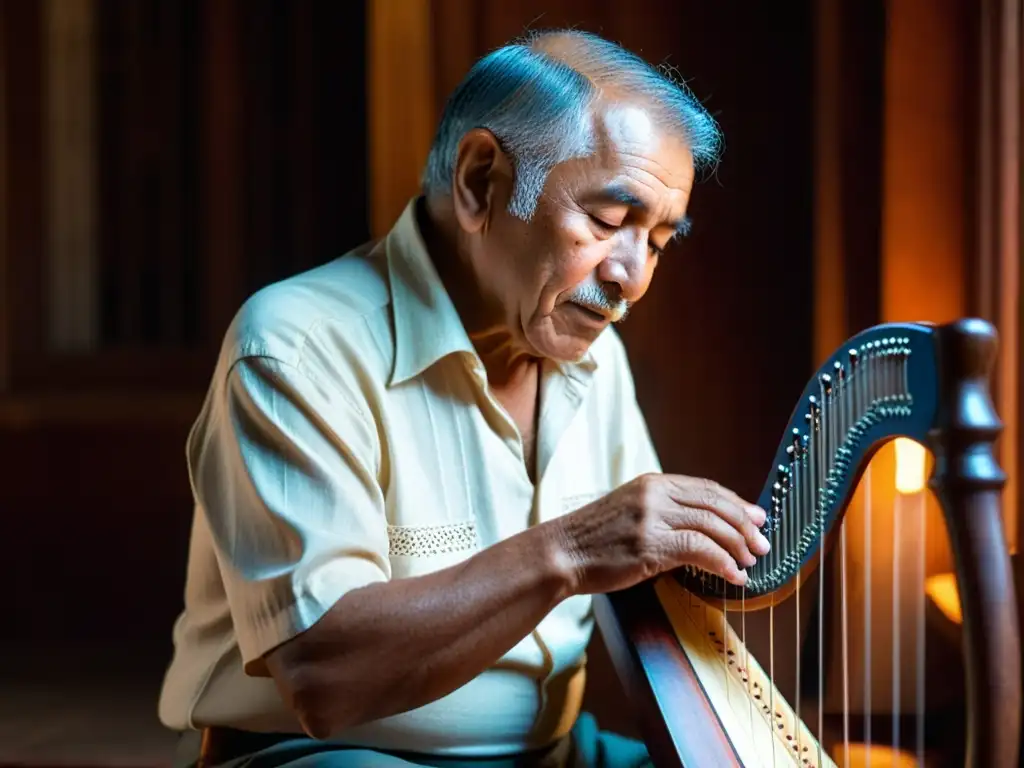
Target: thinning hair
(535, 96)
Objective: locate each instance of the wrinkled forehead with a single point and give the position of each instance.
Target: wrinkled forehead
(627, 134)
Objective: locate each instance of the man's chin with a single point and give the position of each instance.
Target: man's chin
(565, 349)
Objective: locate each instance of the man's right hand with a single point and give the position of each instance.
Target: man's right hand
(468, 615)
(657, 523)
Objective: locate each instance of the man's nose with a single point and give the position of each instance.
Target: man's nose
(627, 266)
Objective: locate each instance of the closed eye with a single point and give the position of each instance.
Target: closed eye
(603, 225)
(609, 229)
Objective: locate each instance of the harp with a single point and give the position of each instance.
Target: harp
(700, 698)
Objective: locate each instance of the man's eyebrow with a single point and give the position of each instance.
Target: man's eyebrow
(683, 227)
(616, 193)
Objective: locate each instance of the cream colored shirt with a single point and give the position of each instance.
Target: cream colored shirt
(348, 437)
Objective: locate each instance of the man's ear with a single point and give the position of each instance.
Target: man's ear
(482, 170)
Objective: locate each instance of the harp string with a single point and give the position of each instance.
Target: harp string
(867, 610)
(745, 672)
(921, 640)
(796, 643)
(848, 388)
(896, 671)
(725, 656)
(805, 466)
(771, 675)
(846, 647)
(825, 453)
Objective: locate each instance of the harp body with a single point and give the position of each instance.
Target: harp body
(700, 697)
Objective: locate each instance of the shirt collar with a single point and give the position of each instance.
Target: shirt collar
(427, 325)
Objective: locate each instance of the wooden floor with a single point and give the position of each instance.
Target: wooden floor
(95, 711)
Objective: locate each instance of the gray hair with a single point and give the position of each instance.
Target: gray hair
(538, 108)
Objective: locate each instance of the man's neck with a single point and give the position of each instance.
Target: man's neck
(508, 366)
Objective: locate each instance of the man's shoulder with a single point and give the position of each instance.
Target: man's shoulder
(339, 300)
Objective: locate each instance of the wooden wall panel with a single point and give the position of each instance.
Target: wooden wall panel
(22, 52)
(401, 116)
(224, 156)
(302, 136)
(222, 167)
(222, 221)
(148, 132)
(995, 237)
(71, 174)
(96, 522)
(5, 270)
(460, 23)
(340, 156)
(927, 180)
(848, 109)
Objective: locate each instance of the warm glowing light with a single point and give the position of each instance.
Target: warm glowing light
(943, 591)
(863, 756)
(909, 466)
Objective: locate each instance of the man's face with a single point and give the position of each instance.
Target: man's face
(591, 247)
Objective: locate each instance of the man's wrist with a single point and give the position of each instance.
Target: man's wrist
(560, 557)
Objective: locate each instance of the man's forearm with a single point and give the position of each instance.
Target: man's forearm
(391, 647)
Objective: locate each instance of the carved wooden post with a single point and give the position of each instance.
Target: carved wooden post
(969, 482)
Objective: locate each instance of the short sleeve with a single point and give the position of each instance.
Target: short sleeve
(284, 469)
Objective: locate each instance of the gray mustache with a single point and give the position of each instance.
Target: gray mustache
(596, 298)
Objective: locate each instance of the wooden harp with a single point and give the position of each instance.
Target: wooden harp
(700, 698)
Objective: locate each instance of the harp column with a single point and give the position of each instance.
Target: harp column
(969, 482)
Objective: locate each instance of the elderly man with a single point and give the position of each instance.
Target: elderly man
(416, 463)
